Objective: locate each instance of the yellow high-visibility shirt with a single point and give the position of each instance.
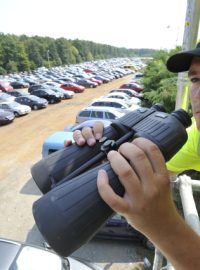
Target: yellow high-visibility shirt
(188, 157)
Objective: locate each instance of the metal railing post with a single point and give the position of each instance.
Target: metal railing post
(189, 208)
(158, 260)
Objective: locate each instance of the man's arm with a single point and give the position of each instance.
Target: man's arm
(147, 203)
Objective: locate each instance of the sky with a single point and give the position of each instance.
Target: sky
(156, 24)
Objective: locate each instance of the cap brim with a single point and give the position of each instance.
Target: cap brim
(181, 62)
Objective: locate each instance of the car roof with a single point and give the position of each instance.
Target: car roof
(108, 99)
(101, 108)
(7, 102)
(117, 93)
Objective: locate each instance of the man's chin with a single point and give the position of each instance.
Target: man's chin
(198, 122)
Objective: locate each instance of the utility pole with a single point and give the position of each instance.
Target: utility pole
(189, 42)
(48, 58)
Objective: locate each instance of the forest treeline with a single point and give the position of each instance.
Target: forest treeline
(23, 53)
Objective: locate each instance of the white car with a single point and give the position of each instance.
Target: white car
(124, 97)
(15, 107)
(129, 92)
(114, 103)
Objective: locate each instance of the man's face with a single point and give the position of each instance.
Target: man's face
(194, 77)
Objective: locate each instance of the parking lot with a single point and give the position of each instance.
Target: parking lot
(21, 144)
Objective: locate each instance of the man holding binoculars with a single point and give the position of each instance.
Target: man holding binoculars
(147, 203)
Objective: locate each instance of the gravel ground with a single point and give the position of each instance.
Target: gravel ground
(21, 144)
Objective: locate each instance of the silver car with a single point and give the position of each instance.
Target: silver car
(98, 113)
(15, 107)
(20, 256)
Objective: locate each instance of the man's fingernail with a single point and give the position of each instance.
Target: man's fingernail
(80, 141)
(98, 136)
(91, 141)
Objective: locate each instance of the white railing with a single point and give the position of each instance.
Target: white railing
(186, 186)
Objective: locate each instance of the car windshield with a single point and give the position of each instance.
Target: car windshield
(14, 104)
(4, 95)
(34, 98)
(25, 93)
(48, 91)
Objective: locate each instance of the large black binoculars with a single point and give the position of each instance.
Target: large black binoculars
(72, 211)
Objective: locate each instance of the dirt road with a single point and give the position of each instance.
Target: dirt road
(21, 144)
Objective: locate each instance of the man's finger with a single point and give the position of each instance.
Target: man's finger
(125, 172)
(87, 133)
(98, 130)
(106, 192)
(67, 142)
(153, 153)
(78, 138)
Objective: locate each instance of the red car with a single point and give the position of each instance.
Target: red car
(5, 86)
(133, 86)
(73, 87)
(99, 82)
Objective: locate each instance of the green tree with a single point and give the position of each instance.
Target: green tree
(160, 84)
(11, 66)
(33, 51)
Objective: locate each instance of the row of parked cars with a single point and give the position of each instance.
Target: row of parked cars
(114, 105)
(17, 103)
(49, 86)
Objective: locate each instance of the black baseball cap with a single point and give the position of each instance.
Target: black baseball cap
(181, 61)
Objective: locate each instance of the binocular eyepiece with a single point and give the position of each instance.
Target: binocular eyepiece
(71, 211)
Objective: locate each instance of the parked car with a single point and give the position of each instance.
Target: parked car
(99, 82)
(139, 75)
(134, 86)
(5, 86)
(49, 95)
(73, 87)
(16, 93)
(19, 84)
(52, 84)
(98, 113)
(6, 117)
(65, 94)
(16, 108)
(34, 87)
(102, 78)
(114, 103)
(33, 101)
(124, 97)
(21, 256)
(6, 97)
(130, 92)
(86, 83)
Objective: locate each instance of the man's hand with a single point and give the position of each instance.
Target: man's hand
(141, 169)
(87, 135)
